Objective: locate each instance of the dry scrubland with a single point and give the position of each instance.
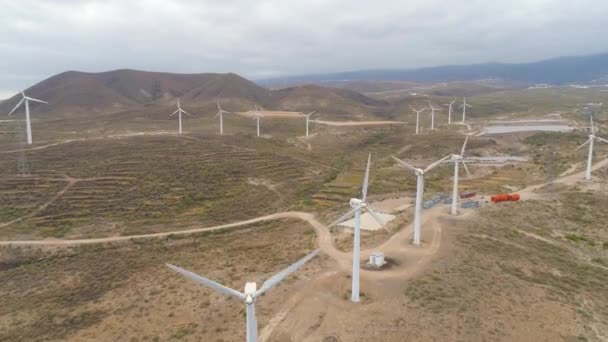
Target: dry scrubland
(146, 184)
(539, 274)
(123, 292)
(542, 273)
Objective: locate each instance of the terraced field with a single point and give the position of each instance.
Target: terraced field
(144, 184)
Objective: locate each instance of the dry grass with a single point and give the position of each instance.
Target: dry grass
(124, 292)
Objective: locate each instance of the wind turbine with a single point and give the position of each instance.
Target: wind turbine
(418, 111)
(251, 293)
(433, 109)
(590, 141)
(220, 113)
(28, 122)
(457, 159)
(450, 111)
(419, 191)
(179, 112)
(357, 206)
(258, 115)
(464, 106)
(308, 121)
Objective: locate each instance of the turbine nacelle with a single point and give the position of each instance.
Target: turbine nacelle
(357, 203)
(250, 292)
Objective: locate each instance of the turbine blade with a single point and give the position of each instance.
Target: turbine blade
(592, 125)
(602, 140)
(375, 216)
(208, 282)
(311, 113)
(174, 112)
(583, 145)
(466, 168)
(183, 111)
(277, 278)
(35, 100)
(343, 217)
(17, 106)
(404, 164)
(464, 146)
(366, 178)
(218, 104)
(434, 165)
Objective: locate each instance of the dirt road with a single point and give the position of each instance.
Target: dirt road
(357, 123)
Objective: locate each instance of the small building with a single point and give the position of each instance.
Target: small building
(376, 259)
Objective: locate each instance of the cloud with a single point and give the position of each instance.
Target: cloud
(273, 37)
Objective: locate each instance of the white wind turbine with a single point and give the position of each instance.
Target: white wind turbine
(464, 106)
(308, 120)
(251, 293)
(450, 109)
(418, 111)
(590, 141)
(179, 112)
(433, 109)
(357, 206)
(258, 115)
(28, 122)
(457, 159)
(220, 113)
(419, 191)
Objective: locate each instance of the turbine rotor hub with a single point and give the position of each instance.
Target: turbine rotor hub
(357, 203)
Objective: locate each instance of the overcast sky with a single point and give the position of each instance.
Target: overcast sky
(257, 39)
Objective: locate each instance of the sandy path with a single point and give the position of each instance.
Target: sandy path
(357, 123)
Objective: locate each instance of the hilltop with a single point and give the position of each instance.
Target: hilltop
(80, 94)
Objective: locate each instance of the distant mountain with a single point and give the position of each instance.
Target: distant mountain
(81, 94)
(558, 71)
(116, 90)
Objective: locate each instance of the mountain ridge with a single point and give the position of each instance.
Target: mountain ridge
(558, 71)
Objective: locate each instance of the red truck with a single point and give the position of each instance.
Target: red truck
(505, 198)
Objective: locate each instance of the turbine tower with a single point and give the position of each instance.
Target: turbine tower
(179, 112)
(433, 109)
(258, 115)
(220, 113)
(457, 159)
(357, 206)
(251, 293)
(464, 106)
(419, 191)
(590, 141)
(450, 109)
(418, 111)
(26, 100)
(308, 121)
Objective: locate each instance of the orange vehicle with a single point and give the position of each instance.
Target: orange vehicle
(505, 198)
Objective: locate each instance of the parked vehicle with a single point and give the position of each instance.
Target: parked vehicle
(470, 204)
(467, 194)
(505, 198)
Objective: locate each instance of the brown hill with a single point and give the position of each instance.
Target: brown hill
(80, 94)
(334, 101)
(76, 92)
